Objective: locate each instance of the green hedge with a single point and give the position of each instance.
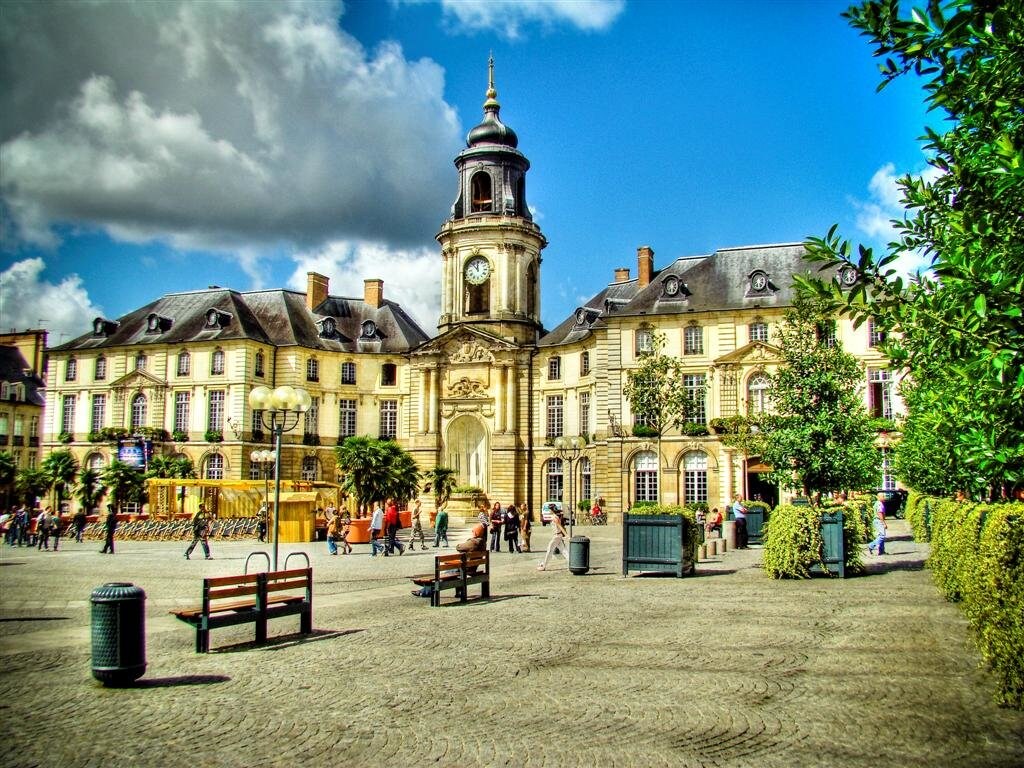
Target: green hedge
(793, 544)
(977, 559)
(914, 513)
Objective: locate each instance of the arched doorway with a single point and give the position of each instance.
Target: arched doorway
(467, 451)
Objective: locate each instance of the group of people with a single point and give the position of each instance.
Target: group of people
(39, 528)
(510, 525)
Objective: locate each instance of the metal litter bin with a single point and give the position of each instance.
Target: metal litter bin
(118, 633)
(579, 555)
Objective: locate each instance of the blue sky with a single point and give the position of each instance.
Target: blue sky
(149, 148)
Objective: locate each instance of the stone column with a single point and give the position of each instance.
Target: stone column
(725, 479)
(435, 382)
(424, 413)
(510, 399)
(499, 401)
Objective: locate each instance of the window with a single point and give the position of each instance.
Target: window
(99, 413)
(757, 394)
(217, 362)
(95, 462)
(554, 368)
(181, 401)
(888, 479)
(258, 366)
(876, 336)
(646, 471)
(256, 470)
(348, 373)
(214, 467)
(554, 480)
(644, 342)
(584, 363)
(100, 373)
(388, 375)
(879, 393)
(33, 427)
(184, 363)
(71, 369)
(555, 422)
(19, 429)
(312, 369)
(758, 331)
(346, 418)
(312, 426)
(67, 416)
(584, 413)
(256, 419)
(693, 340)
(388, 419)
(140, 361)
(215, 411)
(695, 477)
(138, 418)
(697, 394)
(310, 469)
(586, 484)
(4, 426)
(481, 192)
(826, 332)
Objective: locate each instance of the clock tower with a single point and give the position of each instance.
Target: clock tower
(490, 245)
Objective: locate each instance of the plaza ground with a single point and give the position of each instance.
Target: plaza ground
(724, 669)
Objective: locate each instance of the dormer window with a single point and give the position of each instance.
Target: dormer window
(847, 277)
(368, 329)
(102, 327)
(759, 284)
(157, 324)
(674, 288)
(328, 328)
(217, 319)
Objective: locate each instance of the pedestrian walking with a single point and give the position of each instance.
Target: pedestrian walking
(261, 525)
(200, 532)
(109, 526)
(43, 529)
(557, 542)
(879, 525)
(497, 520)
(376, 526)
(344, 528)
(525, 526)
(20, 527)
(512, 528)
(392, 525)
(739, 512)
(417, 527)
(55, 524)
(79, 521)
(441, 526)
(332, 535)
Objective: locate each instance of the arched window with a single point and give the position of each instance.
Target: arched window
(586, 484)
(258, 367)
(138, 412)
(481, 192)
(217, 362)
(214, 469)
(310, 468)
(101, 368)
(554, 480)
(757, 394)
(184, 363)
(695, 477)
(95, 462)
(645, 467)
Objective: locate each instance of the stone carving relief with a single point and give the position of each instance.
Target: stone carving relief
(469, 352)
(467, 387)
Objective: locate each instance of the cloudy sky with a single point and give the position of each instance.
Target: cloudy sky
(156, 147)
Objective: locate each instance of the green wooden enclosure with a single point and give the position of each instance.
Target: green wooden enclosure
(658, 543)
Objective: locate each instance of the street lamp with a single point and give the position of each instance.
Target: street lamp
(280, 411)
(264, 459)
(569, 450)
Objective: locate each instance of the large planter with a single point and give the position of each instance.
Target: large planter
(833, 552)
(658, 543)
(464, 508)
(756, 518)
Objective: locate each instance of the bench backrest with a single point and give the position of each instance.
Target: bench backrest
(233, 587)
(469, 561)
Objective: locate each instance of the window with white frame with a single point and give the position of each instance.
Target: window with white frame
(346, 418)
(586, 479)
(876, 335)
(312, 369)
(758, 331)
(214, 469)
(217, 362)
(554, 368)
(348, 373)
(888, 478)
(644, 342)
(389, 375)
(99, 413)
(555, 417)
(181, 408)
(695, 477)
(95, 462)
(184, 363)
(554, 479)
(693, 340)
(259, 363)
(215, 410)
(584, 413)
(757, 394)
(826, 333)
(138, 412)
(71, 369)
(584, 363)
(4, 424)
(312, 425)
(100, 371)
(19, 428)
(67, 416)
(310, 469)
(140, 361)
(388, 419)
(879, 393)
(645, 473)
(696, 391)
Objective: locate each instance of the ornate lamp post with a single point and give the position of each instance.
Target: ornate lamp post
(280, 411)
(264, 459)
(569, 450)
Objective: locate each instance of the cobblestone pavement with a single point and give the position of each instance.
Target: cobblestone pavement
(725, 669)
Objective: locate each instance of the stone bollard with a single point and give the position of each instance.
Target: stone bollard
(702, 552)
(713, 550)
(729, 533)
(723, 546)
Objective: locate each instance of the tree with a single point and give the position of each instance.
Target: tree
(166, 467)
(442, 481)
(90, 490)
(960, 330)
(376, 470)
(61, 469)
(124, 482)
(8, 471)
(818, 436)
(30, 484)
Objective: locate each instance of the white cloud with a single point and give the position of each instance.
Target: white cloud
(221, 125)
(411, 276)
(508, 17)
(28, 301)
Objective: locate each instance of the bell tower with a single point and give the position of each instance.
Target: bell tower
(490, 246)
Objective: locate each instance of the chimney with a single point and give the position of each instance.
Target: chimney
(622, 275)
(316, 290)
(373, 292)
(644, 265)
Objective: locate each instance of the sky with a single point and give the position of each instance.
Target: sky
(147, 148)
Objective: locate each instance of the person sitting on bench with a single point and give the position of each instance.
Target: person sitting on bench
(713, 524)
(477, 542)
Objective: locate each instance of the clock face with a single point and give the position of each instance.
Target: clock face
(759, 282)
(477, 270)
(848, 275)
(581, 316)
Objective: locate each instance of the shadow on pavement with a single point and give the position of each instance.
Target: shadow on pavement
(172, 682)
(35, 618)
(286, 641)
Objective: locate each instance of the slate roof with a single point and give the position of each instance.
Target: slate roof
(276, 317)
(14, 369)
(719, 281)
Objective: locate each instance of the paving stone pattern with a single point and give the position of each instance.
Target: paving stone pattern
(724, 669)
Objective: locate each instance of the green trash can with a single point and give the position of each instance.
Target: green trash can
(579, 555)
(118, 633)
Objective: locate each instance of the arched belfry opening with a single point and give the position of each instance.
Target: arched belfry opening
(483, 197)
(467, 450)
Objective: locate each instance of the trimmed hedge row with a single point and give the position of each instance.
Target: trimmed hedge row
(793, 543)
(977, 560)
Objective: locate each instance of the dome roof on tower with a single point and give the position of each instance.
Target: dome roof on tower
(492, 130)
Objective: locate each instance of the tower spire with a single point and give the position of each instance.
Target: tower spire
(492, 93)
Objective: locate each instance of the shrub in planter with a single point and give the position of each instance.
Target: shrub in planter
(693, 430)
(642, 430)
(65, 437)
(792, 542)
(95, 437)
(213, 436)
(179, 436)
(659, 538)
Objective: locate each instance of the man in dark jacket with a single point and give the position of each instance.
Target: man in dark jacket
(110, 525)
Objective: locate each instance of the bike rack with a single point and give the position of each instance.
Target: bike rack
(251, 556)
(292, 554)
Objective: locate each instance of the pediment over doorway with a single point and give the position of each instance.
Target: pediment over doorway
(466, 347)
(752, 353)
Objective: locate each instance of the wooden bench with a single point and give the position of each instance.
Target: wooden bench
(457, 571)
(253, 597)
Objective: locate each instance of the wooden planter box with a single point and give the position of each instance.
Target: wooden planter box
(756, 518)
(659, 543)
(834, 552)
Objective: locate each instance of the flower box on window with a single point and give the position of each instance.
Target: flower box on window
(214, 436)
